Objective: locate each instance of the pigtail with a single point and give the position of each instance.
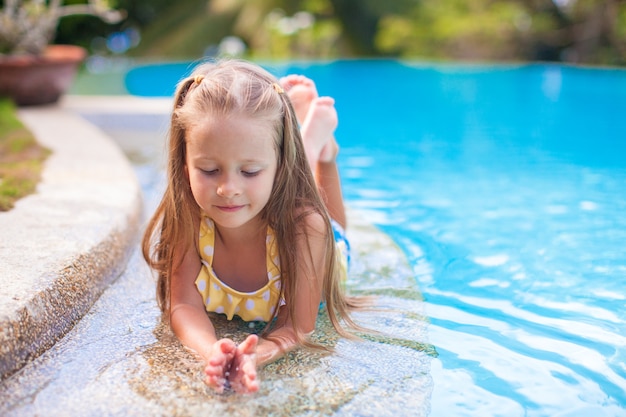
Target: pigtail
(181, 93)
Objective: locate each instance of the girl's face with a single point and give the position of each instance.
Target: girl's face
(231, 163)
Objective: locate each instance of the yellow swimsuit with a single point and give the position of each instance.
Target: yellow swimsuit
(218, 297)
(258, 305)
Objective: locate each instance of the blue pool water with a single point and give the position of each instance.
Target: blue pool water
(506, 188)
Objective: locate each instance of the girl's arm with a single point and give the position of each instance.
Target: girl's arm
(308, 293)
(195, 330)
(188, 317)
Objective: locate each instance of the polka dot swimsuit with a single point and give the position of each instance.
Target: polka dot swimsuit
(220, 298)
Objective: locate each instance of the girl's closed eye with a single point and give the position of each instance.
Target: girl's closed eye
(209, 171)
(250, 172)
(245, 172)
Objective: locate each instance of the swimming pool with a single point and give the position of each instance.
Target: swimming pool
(505, 187)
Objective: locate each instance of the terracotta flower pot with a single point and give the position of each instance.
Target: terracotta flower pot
(42, 79)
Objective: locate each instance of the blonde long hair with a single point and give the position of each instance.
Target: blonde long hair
(239, 87)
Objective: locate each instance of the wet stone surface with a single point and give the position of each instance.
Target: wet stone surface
(120, 360)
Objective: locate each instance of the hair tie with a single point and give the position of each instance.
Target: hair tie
(278, 88)
(198, 79)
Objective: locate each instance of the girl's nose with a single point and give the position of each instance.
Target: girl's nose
(228, 187)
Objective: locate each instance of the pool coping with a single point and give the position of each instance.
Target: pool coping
(62, 246)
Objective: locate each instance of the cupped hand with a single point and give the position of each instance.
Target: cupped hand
(243, 375)
(219, 364)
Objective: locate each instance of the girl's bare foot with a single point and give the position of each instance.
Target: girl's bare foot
(243, 377)
(301, 91)
(318, 131)
(218, 366)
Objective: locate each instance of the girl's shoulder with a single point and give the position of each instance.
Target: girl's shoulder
(312, 221)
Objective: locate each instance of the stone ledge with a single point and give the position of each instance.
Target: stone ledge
(62, 246)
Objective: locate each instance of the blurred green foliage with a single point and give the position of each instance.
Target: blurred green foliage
(585, 31)
(582, 31)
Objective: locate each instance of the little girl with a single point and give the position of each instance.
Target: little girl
(244, 227)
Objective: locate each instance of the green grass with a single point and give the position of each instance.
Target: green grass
(21, 158)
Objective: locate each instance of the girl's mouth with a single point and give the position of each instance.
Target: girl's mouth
(229, 209)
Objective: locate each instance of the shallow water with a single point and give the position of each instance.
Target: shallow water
(120, 360)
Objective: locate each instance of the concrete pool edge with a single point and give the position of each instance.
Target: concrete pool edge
(63, 245)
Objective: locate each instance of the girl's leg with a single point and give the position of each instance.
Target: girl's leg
(322, 149)
(318, 119)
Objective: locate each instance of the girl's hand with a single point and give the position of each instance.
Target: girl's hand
(242, 376)
(219, 363)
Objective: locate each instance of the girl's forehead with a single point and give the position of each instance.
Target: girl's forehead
(237, 121)
(250, 136)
